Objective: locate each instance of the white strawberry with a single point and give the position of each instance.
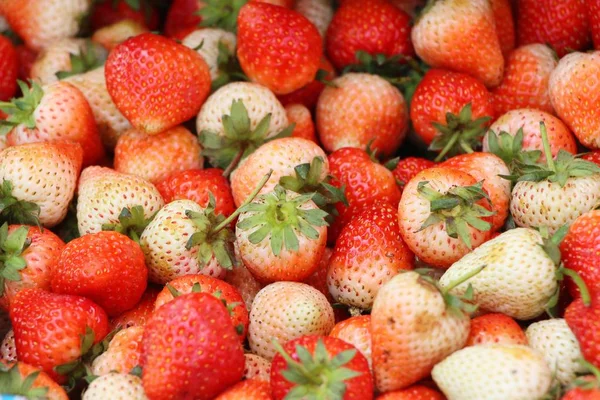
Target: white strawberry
(211, 43)
(319, 12)
(115, 386)
(257, 367)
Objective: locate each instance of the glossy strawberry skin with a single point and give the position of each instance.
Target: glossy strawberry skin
(138, 315)
(309, 94)
(277, 47)
(408, 167)
(583, 321)
(108, 12)
(495, 328)
(9, 66)
(56, 320)
(373, 26)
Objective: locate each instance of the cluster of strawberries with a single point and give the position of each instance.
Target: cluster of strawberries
(202, 199)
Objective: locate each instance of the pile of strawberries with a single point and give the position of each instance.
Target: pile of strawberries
(309, 199)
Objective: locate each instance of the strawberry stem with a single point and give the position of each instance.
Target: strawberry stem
(234, 163)
(547, 150)
(583, 290)
(462, 279)
(447, 147)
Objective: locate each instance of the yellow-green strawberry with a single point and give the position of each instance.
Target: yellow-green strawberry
(115, 386)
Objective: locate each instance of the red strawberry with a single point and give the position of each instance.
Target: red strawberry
(190, 349)
(139, 315)
(108, 12)
(277, 47)
(106, 267)
(311, 369)
(560, 23)
(593, 13)
(250, 389)
(309, 94)
(300, 115)
(182, 15)
(414, 392)
(9, 66)
(582, 316)
(593, 156)
(160, 90)
(371, 26)
(505, 25)
(495, 328)
(408, 167)
(58, 321)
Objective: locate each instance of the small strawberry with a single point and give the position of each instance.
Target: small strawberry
(8, 350)
(447, 208)
(319, 12)
(357, 332)
(309, 94)
(320, 367)
(526, 79)
(9, 67)
(155, 157)
(208, 359)
(407, 168)
(153, 105)
(68, 325)
(115, 386)
(108, 12)
(26, 381)
(139, 315)
(123, 353)
(450, 111)
(277, 47)
(106, 267)
(257, 368)
(182, 15)
(505, 25)
(245, 283)
(460, 36)
(494, 372)
(495, 328)
(581, 317)
(113, 35)
(373, 26)
(414, 392)
(285, 311)
(561, 24)
(304, 127)
(249, 389)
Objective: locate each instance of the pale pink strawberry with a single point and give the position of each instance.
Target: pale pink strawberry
(243, 280)
(357, 332)
(318, 279)
(319, 12)
(8, 350)
(304, 127)
(112, 35)
(115, 386)
(207, 43)
(257, 367)
(123, 353)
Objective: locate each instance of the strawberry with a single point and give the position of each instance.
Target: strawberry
(414, 392)
(195, 185)
(155, 157)
(447, 207)
(575, 75)
(206, 284)
(556, 342)
(304, 126)
(493, 372)
(106, 267)
(561, 24)
(257, 368)
(381, 120)
(505, 25)
(29, 255)
(32, 191)
(152, 105)
(593, 14)
(209, 358)
(408, 167)
(8, 350)
(319, 12)
(123, 353)
(414, 325)
(26, 57)
(593, 156)
(108, 12)
(112, 35)
(68, 325)
(139, 315)
(55, 112)
(460, 36)
(27, 381)
(524, 126)
(182, 15)
(285, 311)
(116, 386)
(318, 279)
(216, 45)
(250, 389)
(450, 111)
(488, 168)
(283, 56)
(320, 366)
(367, 254)
(309, 94)
(357, 332)
(10, 67)
(495, 328)
(506, 284)
(39, 22)
(581, 316)
(526, 79)
(373, 26)
(104, 193)
(111, 123)
(591, 392)
(245, 283)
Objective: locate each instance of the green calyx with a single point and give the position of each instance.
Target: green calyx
(87, 60)
(229, 68)
(239, 140)
(317, 376)
(281, 219)
(12, 247)
(132, 222)
(221, 14)
(11, 382)
(68, 230)
(20, 110)
(457, 209)
(587, 384)
(461, 134)
(510, 149)
(15, 211)
(559, 169)
(307, 179)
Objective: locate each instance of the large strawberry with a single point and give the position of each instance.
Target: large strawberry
(178, 85)
(249, 389)
(9, 67)
(461, 36)
(190, 348)
(115, 386)
(277, 47)
(505, 24)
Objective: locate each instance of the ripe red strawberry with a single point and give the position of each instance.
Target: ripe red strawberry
(560, 23)
(60, 322)
(106, 267)
(123, 352)
(250, 389)
(495, 329)
(309, 94)
(582, 393)
(461, 36)
(139, 315)
(161, 90)
(526, 79)
(182, 15)
(582, 316)
(593, 156)
(277, 47)
(469, 103)
(320, 365)
(505, 25)
(408, 167)
(108, 12)
(367, 254)
(195, 185)
(190, 349)
(372, 26)
(9, 65)
(593, 13)
(414, 392)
